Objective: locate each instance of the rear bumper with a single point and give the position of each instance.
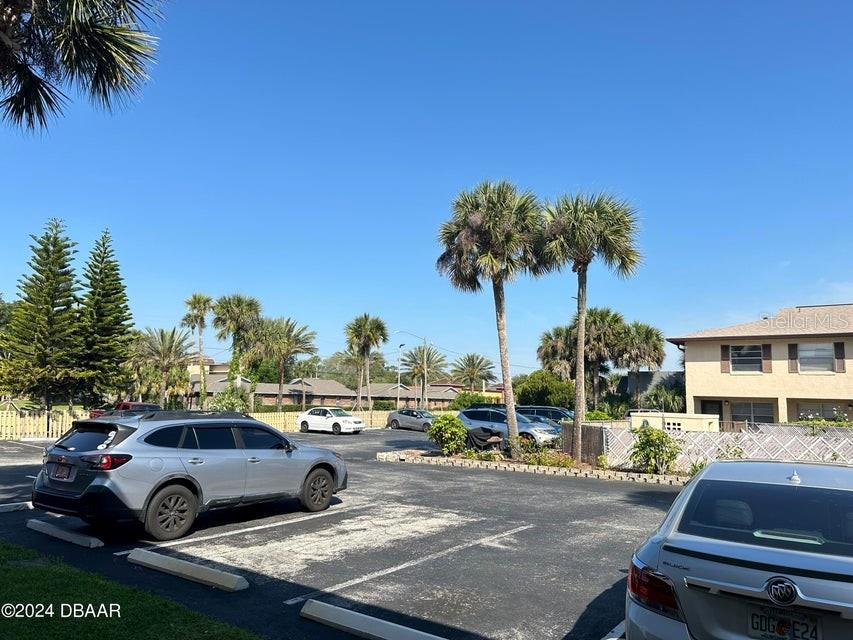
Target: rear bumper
(97, 501)
(644, 624)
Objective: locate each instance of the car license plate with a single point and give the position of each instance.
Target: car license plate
(770, 623)
(62, 471)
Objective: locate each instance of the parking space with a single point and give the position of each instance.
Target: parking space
(19, 462)
(462, 554)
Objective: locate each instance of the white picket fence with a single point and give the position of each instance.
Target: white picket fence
(774, 442)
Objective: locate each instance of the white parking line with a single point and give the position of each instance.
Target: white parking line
(411, 563)
(260, 527)
(33, 477)
(34, 446)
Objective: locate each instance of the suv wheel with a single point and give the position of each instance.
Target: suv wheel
(317, 490)
(303, 427)
(395, 424)
(336, 429)
(426, 426)
(171, 513)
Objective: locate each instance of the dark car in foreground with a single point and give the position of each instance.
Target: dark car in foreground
(164, 468)
(759, 550)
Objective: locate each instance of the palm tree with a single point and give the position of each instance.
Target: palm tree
(472, 368)
(604, 328)
(280, 340)
(199, 307)
(100, 47)
(365, 333)
(578, 230)
(165, 351)
(491, 236)
(235, 316)
(419, 363)
(642, 346)
(556, 351)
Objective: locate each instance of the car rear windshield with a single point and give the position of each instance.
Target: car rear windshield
(93, 436)
(809, 519)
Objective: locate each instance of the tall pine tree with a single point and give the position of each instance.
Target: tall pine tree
(105, 325)
(42, 339)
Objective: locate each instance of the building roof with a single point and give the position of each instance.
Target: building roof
(313, 386)
(790, 322)
(388, 390)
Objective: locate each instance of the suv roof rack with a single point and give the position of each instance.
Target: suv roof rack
(195, 415)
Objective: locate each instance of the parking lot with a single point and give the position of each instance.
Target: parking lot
(454, 552)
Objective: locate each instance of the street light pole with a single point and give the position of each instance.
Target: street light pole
(399, 356)
(425, 395)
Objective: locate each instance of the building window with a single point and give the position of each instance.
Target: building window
(752, 412)
(746, 357)
(821, 410)
(817, 357)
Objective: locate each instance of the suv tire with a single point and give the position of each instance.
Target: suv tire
(317, 490)
(303, 427)
(171, 513)
(395, 424)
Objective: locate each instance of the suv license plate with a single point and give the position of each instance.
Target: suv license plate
(62, 471)
(770, 623)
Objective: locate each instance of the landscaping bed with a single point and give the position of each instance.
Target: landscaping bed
(414, 456)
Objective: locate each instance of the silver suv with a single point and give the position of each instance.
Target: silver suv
(164, 468)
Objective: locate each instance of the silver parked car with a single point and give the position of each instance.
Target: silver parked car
(164, 468)
(749, 550)
(417, 419)
(495, 420)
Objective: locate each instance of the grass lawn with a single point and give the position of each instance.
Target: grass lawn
(28, 577)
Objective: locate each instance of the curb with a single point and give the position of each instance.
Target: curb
(359, 624)
(188, 570)
(598, 474)
(15, 506)
(50, 529)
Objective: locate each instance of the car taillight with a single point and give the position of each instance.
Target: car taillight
(106, 461)
(653, 590)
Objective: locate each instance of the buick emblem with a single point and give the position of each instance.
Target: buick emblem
(781, 591)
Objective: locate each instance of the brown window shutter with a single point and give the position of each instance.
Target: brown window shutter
(839, 358)
(725, 359)
(766, 359)
(793, 358)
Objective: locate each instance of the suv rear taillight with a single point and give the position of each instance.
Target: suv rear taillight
(106, 461)
(653, 590)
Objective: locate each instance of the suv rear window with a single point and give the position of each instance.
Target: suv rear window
(809, 519)
(93, 436)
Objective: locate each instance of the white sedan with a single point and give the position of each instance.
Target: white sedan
(332, 419)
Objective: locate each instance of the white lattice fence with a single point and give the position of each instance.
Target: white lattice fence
(777, 444)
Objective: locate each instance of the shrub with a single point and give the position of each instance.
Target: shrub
(543, 387)
(466, 399)
(548, 458)
(731, 452)
(449, 434)
(232, 399)
(654, 450)
(488, 455)
(271, 408)
(697, 466)
(601, 461)
(384, 405)
(596, 414)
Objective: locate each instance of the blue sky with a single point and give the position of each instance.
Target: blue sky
(307, 154)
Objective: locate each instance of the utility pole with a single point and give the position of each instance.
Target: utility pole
(399, 356)
(426, 393)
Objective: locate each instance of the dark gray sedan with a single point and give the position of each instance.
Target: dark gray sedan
(417, 419)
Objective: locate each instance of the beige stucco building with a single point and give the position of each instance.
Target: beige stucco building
(781, 368)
